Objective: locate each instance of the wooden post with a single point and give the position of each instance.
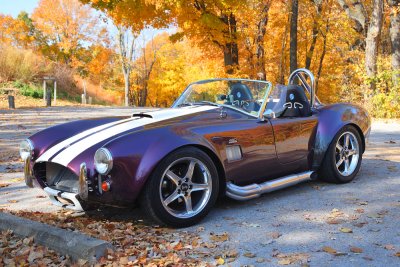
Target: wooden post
(11, 103)
(48, 98)
(44, 89)
(90, 100)
(55, 92)
(83, 99)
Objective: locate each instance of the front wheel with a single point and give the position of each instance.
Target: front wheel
(343, 157)
(182, 188)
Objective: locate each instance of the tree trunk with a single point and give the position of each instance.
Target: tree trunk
(315, 31)
(231, 50)
(293, 35)
(261, 30)
(127, 86)
(282, 64)
(372, 41)
(395, 39)
(231, 57)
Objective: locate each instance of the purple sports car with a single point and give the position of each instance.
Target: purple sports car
(235, 137)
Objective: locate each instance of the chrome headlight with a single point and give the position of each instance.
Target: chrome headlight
(26, 149)
(103, 161)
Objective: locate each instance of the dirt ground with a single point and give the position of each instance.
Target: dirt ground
(315, 223)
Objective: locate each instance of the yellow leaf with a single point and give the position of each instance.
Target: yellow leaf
(284, 262)
(220, 261)
(345, 230)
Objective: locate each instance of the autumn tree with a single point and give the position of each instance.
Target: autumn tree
(15, 32)
(395, 38)
(370, 26)
(67, 26)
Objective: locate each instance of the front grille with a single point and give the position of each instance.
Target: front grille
(57, 177)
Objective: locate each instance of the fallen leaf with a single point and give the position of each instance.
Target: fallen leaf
(4, 185)
(345, 230)
(334, 221)
(12, 201)
(34, 255)
(368, 258)
(260, 260)
(219, 237)
(220, 261)
(231, 253)
(360, 224)
(249, 255)
(397, 254)
(329, 250)
(274, 235)
(123, 260)
(389, 247)
(284, 262)
(359, 210)
(356, 250)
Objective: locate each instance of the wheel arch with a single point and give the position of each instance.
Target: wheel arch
(214, 157)
(331, 120)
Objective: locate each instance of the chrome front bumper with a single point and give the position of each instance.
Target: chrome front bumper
(56, 198)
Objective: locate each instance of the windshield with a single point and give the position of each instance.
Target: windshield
(244, 95)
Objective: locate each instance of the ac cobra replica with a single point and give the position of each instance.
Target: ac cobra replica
(235, 137)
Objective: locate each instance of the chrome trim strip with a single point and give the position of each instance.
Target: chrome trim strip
(83, 186)
(28, 172)
(54, 194)
(255, 190)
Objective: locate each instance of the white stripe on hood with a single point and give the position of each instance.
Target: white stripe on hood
(98, 134)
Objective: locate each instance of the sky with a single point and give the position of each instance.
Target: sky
(14, 7)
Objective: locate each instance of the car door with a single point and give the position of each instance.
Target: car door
(247, 148)
(293, 138)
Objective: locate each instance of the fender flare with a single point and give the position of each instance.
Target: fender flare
(331, 119)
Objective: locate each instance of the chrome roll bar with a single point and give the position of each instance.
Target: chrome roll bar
(300, 74)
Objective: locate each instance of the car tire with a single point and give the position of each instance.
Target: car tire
(182, 188)
(343, 158)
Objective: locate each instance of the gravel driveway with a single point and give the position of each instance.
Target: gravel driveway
(356, 224)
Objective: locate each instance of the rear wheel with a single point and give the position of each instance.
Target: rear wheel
(343, 158)
(182, 189)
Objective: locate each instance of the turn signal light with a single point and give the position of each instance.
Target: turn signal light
(105, 186)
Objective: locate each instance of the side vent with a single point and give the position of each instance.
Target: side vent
(233, 153)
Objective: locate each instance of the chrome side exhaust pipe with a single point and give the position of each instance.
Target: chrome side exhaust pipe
(255, 190)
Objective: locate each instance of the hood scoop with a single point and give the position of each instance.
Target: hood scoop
(141, 115)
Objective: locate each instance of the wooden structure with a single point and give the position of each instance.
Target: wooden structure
(53, 79)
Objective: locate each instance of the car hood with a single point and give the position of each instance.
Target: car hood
(66, 150)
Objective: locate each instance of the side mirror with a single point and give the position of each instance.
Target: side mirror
(269, 113)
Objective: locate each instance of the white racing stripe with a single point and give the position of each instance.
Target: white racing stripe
(54, 149)
(72, 151)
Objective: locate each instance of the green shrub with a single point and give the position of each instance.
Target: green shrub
(385, 105)
(30, 90)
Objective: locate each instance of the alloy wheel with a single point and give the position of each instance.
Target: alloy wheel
(347, 154)
(185, 187)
